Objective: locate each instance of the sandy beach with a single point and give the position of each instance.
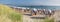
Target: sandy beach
(26, 17)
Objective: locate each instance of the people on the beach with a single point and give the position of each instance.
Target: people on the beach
(48, 12)
(35, 11)
(40, 12)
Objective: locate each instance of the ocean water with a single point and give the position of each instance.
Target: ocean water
(45, 7)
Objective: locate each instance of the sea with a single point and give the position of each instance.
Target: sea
(44, 7)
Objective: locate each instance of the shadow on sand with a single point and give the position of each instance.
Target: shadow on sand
(28, 14)
(38, 17)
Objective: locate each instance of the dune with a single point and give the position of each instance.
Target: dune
(9, 15)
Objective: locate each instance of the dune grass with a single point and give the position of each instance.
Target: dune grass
(49, 20)
(11, 14)
(15, 17)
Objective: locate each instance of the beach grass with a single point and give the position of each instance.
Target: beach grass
(8, 13)
(49, 20)
(15, 17)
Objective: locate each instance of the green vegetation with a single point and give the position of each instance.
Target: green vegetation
(49, 20)
(6, 11)
(15, 17)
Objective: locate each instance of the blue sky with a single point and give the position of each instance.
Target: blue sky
(32, 2)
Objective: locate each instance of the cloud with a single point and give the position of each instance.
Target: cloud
(53, 2)
(47, 2)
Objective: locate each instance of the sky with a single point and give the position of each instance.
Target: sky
(32, 2)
